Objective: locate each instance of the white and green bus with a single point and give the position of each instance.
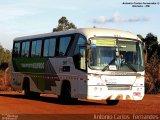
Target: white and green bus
(88, 63)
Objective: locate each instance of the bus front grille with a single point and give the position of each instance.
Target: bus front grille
(119, 87)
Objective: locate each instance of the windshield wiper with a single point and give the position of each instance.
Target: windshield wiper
(106, 67)
(130, 66)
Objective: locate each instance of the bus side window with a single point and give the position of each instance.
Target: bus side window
(80, 54)
(16, 50)
(49, 47)
(25, 49)
(36, 48)
(63, 45)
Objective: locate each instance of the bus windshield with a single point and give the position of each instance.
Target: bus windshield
(116, 54)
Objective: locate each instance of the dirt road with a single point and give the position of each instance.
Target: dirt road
(47, 107)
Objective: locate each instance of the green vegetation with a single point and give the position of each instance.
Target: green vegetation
(5, 57)
(5, 76)
(64, 24)
(152, 61)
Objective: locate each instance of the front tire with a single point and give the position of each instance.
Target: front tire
(112, 102)
(65, 95)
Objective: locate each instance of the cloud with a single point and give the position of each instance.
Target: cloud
(100, 20)
(10, 12)
(116, 18)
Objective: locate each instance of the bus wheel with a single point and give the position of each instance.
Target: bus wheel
(112, 102)
(28, 93)
(65, 96)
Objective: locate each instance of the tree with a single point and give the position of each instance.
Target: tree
(64, 24)
(1, 53)
(5, 56)
(152, 80)
(152, 49)
(151, 45)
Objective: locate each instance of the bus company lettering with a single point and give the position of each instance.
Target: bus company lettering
(34, 65)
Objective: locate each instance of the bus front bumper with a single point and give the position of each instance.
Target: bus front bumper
(103, 93)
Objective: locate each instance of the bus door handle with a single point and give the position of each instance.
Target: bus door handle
(66, 68)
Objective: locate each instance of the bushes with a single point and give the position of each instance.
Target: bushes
(5, 80)
(152, 80)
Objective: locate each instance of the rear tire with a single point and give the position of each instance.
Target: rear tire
(26, 88)
(112, 102)
(27, 92)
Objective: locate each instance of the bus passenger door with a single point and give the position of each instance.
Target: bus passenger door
(80, 68)
(79, 59)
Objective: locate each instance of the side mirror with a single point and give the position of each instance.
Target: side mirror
(117, 53)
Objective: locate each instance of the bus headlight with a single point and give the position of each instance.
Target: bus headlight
(139, 81)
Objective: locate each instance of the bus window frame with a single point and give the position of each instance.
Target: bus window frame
(29, 53)
(32, 40)
(117, 38)
(43, 43)
(19, 49)
(72, 36)
(77, 35)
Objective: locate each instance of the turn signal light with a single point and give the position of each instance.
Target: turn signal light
(136, 93)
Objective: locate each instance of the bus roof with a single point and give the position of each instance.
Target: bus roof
(87, 32)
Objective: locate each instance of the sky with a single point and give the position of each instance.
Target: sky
(29, 17)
